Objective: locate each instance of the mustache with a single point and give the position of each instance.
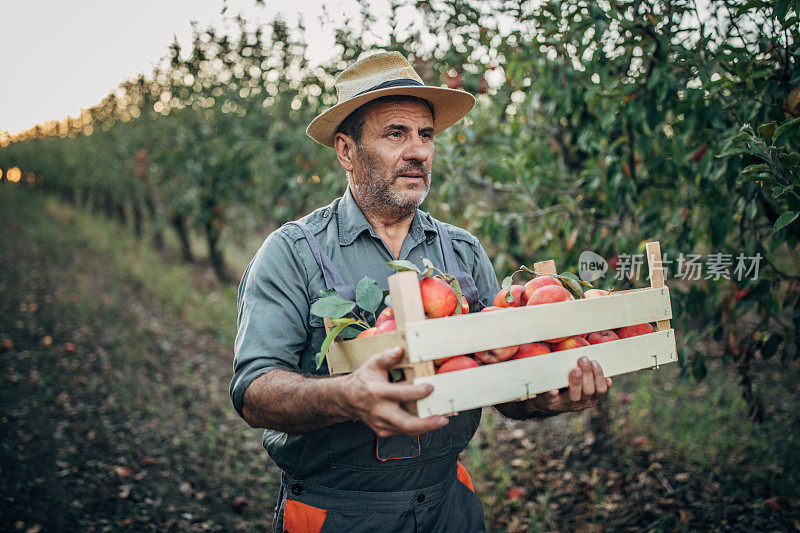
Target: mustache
(415, 167)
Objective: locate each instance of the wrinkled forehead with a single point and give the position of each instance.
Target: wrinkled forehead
(408, 110)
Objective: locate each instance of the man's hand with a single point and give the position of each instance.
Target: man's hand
(375, 401)
(586, 385)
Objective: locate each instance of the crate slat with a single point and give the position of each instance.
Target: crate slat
(346, 356)
(432, 339)
(523, 378)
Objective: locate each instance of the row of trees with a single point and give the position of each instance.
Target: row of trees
(598, 126)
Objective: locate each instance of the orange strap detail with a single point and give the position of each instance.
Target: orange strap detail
(301, 518)
(463, 476)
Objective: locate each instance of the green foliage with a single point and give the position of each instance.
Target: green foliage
(598, 126)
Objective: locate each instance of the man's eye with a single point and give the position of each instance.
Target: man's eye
(394, 134)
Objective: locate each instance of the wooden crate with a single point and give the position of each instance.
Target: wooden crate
(425, 340)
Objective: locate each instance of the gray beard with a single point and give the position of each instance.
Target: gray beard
(376, 195)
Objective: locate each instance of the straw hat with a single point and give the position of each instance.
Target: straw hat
(385, 74)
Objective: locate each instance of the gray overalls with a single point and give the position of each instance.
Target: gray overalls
(350, 480)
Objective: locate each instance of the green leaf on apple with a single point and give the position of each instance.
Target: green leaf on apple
(507, 281)
(402, 265)
(572, 282)
(332, 306)
(368, 295)
(456, 286)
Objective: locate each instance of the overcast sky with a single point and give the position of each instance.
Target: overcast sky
(59, 56)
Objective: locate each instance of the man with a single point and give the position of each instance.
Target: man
(352, 458)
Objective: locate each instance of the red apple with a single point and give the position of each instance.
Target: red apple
(531, 349)
(386, 325)
(369, 332)
(459, 362)
(595, 293)
(496, 355)
(438, 298)
(537, 283)
(606, 335)
(516, 292)
(385, 315)
(631, 331)
(570, 342)
(549, 294)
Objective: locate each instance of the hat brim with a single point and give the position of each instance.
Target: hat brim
(449, 106)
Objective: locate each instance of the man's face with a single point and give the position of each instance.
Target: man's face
(392, 168)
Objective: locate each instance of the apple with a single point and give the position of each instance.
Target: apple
(606, 335)
(386, 314)
(631, 331)
(69, 348)
(537, 283)
(386, 325)
(531, 349)
(569, 343)
(595, 293)
(496, 355)
(549, 294)
(490, 308)
(516, 292)
(459, 362)
(438, 298)
(369, 332)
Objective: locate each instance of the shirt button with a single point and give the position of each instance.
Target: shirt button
(297, 490)
(326, 213)
(421, 498)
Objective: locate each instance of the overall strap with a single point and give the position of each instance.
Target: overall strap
(468, 288)
(333, 280)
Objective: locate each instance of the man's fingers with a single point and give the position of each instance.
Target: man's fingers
(396, 421)
(600, 385)
(386, 359)
(575, 384)
(405, 393)
(587, 376)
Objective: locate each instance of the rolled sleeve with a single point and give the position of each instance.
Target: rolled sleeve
(273, 311)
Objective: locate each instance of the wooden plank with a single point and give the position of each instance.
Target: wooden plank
(407, 305)
(346, 356)
(656, 267)
(545, 267)
(432, 339)
(524, 378)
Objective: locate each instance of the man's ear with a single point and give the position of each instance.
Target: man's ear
(344, 147)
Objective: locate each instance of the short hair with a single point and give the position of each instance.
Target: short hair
(353, 124)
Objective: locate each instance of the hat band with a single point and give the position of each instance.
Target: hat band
(402, 82)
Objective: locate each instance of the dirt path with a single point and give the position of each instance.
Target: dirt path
(132, 430)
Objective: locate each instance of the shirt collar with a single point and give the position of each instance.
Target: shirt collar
(352, 222)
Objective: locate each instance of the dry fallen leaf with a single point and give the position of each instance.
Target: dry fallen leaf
(122, 471)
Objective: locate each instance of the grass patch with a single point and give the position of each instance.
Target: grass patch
(211, 308)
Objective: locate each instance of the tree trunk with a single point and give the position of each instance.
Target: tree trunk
(108, 205)
(152, 211)
(214, 253)
(119, 213)
(136, 209)
(179, 223)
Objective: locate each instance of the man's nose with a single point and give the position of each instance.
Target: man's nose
(418, 149)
